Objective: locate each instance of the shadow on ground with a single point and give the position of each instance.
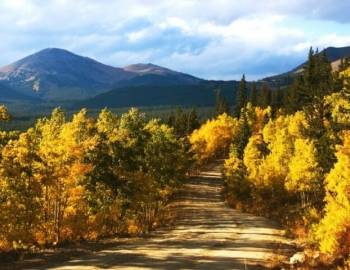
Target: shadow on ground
(206, 235)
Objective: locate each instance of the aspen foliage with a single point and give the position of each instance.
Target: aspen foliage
(333, 232)
(254, 154)
(67, 180)
(304, 176)
(285, 163)
(339, 106)
(235, 180)
(4, 113)
(20, 189)
(213, 138)
(277, 169)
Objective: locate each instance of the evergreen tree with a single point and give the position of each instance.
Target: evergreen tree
(241, 96)
(253, 94)
(180, 124)
(192, 121)
(294, 100)
(311, 86)
(171, 119)
(318, 82)
(265, 96)
(221, 104)
(277, 98)
(244, 135)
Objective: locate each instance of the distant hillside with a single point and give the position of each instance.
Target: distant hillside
(333, 54)
(7, 94)
(202, 94)
(337, 53)
(56, 75)
(149, 72)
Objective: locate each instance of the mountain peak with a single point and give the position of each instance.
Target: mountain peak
(58, 74)
(149, 68)
(55, 73)
(45, 59)
(52, 54)
(54, 50)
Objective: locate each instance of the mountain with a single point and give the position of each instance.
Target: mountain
(56, 75)
(7, 94)
(333, 54)
(149, 74)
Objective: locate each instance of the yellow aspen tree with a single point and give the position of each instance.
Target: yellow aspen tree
(4, 113)
(238, 187)
(20, 192)
(298, 125)
(254, 155)
(62, 149)
(304, 175)
(213, 139)
(333, 232)
(338, 104)
(107, 123)
(77, 138)
(51, 171)
(257, 117)
(280, 153)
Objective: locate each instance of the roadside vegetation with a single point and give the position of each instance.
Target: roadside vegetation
(291, 162)
(86, 178)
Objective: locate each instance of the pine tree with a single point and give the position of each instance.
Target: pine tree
(294, 100)
(318, 84)
(171, 119)
(265, 96)
(253, 94)
(277, 99)
(221, 103)
(243, 136)
(318, 81)
(192, 121)
(241, 96)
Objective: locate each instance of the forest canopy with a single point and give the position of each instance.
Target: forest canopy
(84, 178)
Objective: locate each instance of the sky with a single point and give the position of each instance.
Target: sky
(211, 39)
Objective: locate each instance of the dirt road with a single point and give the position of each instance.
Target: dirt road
(206, 235)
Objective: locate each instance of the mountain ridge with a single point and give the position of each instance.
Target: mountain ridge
(334, 54)
(56, 74)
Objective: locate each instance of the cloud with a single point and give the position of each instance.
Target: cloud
(210, 39)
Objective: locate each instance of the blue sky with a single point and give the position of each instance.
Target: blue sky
(213, 39)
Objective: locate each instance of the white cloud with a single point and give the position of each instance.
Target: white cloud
(221, 38)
